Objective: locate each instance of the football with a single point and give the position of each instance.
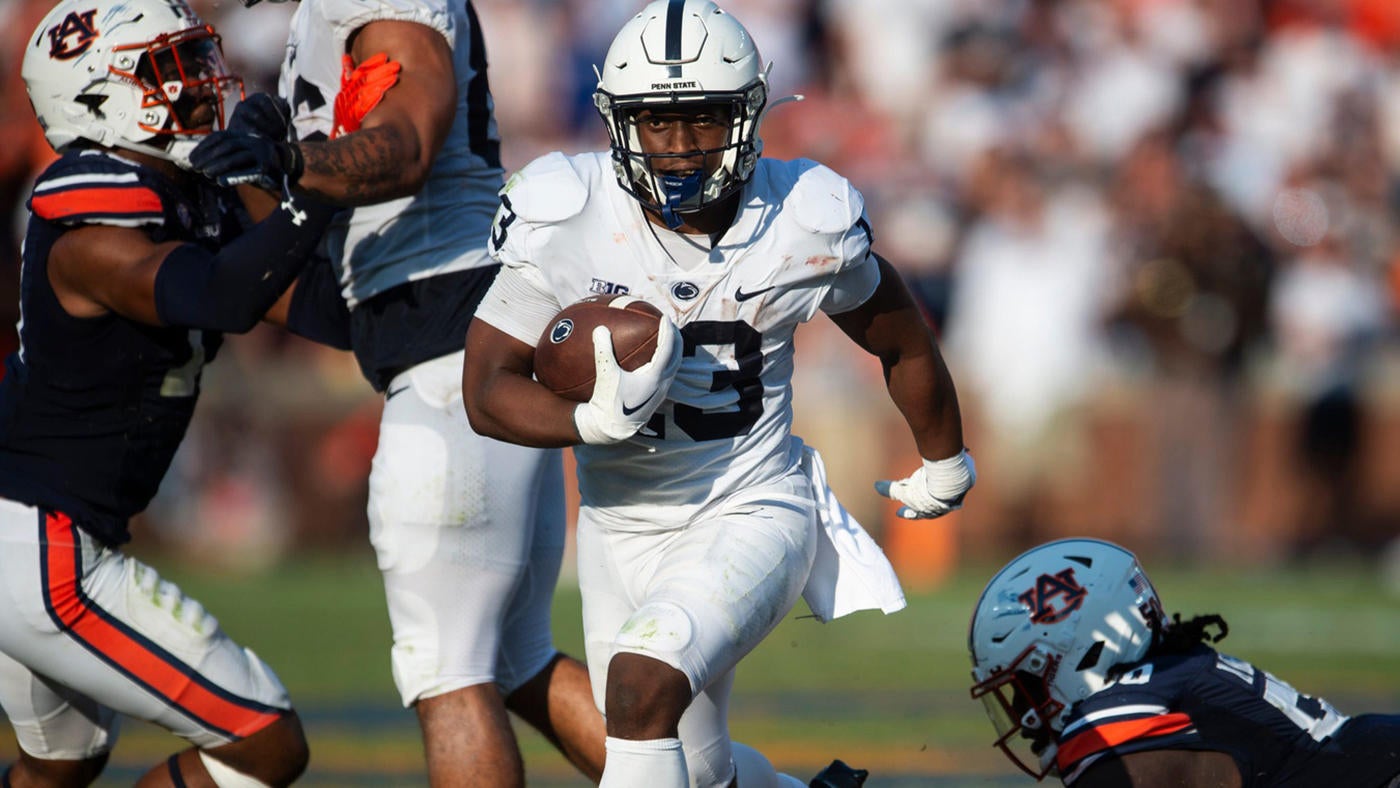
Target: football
(564, 355)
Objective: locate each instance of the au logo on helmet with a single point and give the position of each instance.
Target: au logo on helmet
(1048, 589)
(73, 35)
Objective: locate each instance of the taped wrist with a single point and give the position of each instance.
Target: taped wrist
(231, 289)
(950, 478)
(590, 431)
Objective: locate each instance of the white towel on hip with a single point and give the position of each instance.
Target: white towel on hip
(850, 571)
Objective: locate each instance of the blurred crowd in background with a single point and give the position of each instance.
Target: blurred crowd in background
(1158, 239)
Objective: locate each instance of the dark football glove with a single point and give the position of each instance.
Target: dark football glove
(262, 115)
(230, 158)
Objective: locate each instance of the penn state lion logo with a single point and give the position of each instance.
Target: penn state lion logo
(1049, 589)
(73, 36)
(561, 331)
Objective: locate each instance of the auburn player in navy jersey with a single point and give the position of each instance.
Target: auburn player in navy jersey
(468, 531)
(1084, 677)
(132, 270)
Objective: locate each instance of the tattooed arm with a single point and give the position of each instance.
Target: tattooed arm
(392, 152)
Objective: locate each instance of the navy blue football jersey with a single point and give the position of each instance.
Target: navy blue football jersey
(92, 409)
(1205, 700)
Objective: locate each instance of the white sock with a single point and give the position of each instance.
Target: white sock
(656, 763)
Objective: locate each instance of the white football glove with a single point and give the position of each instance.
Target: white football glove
(623, 401)
(934, 489)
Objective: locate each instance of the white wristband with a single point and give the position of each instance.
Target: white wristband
(589, 431)
(950, 478)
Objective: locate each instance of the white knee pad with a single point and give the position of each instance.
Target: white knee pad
(662, 631)
(226, 776)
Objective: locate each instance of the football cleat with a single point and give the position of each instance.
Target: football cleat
(839, 775)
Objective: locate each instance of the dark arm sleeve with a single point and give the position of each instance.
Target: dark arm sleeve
(231, 289)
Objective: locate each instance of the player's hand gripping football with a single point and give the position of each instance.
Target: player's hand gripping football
(254, 149)
(935, 489)
(623, 401)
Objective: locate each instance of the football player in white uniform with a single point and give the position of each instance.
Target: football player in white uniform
(700, 511)
(469, 531)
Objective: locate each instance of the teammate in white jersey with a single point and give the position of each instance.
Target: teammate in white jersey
(469, 531)
(700, 511)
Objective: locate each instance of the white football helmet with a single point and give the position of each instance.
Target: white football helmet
(1047, 631)
(147, 75)
(682, 52)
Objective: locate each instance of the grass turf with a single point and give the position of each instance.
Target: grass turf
(888, 693)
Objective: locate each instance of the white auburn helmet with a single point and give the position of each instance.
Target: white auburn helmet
(682, 52)
(1047, 631)
(129, 74)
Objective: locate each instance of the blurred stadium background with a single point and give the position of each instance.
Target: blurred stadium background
(1158, 239)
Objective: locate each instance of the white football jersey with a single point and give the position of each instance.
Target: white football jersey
(444, 227)
(567, 230)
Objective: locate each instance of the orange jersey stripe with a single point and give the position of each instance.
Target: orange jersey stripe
(170, 679)
(1112, 734)
(116, 200)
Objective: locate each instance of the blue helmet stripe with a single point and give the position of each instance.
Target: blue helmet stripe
(675, 14)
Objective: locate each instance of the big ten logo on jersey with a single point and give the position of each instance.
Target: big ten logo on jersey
(603, 287)
(1060, 588)
(73, 36)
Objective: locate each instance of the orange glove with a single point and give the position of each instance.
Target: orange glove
(361, 88)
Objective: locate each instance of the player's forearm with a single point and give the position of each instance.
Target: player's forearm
(922, 388)
(516, 409)
(370, 166)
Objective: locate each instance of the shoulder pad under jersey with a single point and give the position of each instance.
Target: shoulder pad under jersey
(547, 190)
(346, 16)
(823, 201)
(93, 187)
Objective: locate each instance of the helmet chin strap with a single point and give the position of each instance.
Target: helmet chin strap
(677, 189)
(151, 150)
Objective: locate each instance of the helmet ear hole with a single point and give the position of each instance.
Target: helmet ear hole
(93, 103)
(1091, 657)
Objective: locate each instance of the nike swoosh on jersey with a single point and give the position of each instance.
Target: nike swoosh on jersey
(740, 295)
(391, 393)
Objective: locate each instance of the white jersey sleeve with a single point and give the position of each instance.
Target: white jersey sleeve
(344, 17)
(520, 301)
(853, 285)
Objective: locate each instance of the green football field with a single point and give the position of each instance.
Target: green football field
(887, 693)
